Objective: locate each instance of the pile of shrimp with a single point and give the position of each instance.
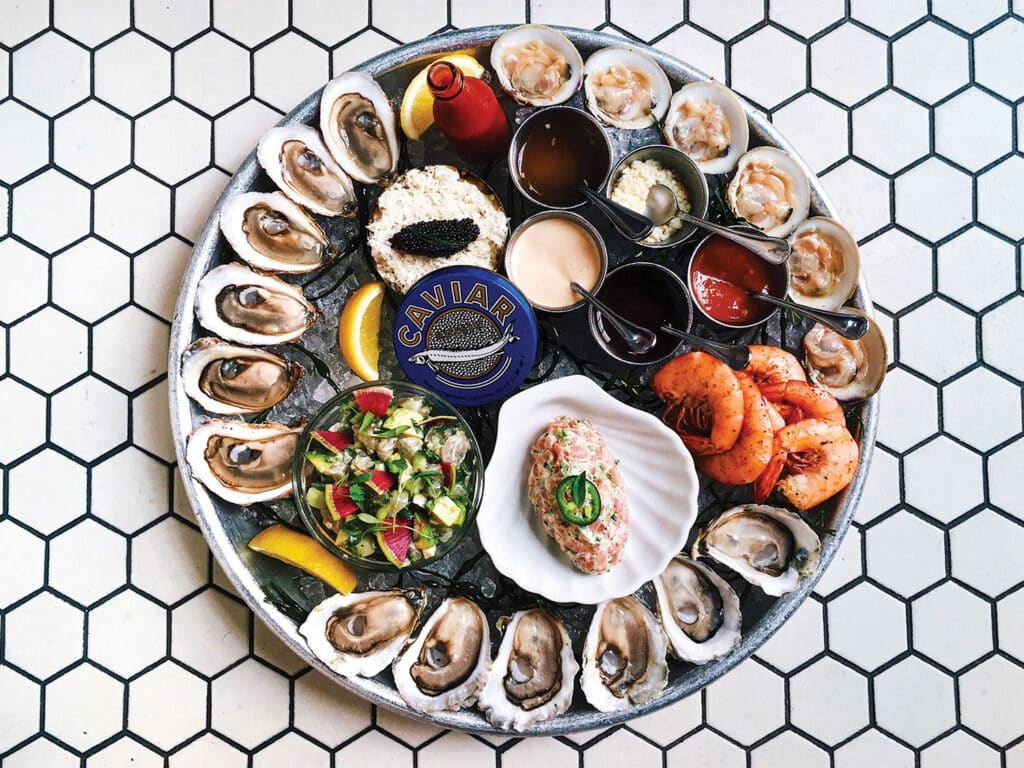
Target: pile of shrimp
(766, 425)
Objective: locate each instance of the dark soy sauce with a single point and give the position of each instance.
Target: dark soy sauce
(646, 295)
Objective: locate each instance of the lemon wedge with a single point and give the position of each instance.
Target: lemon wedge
(304, 552)
(418, 102)
(359, 330)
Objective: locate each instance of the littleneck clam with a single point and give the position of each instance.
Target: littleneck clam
(770, 190)
(241, 462)
(447, 663)
(699, 611)
(623, 656)
(852, 370)
(248, 307)
(770, 547)
(532, 677)
(537, 65)
(824, 264)
(273, 234)
(359, 128)
(230, 379)
(360, 634)
(626, 88)
(706, 121)
(295, 158)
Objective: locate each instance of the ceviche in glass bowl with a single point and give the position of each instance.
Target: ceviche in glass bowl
(388, 476)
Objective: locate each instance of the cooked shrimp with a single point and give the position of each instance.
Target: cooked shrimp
(705, 402)
(746, 460)
(798, 400)
(813, 461)
(773, 365)
(774, 416)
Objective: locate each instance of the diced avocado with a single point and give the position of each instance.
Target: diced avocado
(366, 546)
(316, 499)
(320, 461)
(419, 461)
(402, 417)
(446, 512)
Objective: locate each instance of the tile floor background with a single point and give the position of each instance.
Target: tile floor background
(120, 641)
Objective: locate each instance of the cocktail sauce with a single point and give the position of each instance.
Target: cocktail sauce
(720, 276)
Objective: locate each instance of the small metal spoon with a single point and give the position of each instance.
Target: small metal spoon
(662, 207)
(736, 356)
(846, 324)
(633, 226)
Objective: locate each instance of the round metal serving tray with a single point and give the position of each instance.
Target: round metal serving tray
(228, 528)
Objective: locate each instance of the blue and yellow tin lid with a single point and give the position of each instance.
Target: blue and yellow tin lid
(466, 333)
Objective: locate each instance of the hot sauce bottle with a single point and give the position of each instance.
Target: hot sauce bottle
(468, 113)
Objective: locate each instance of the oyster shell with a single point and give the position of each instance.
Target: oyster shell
(850, 370)
(359, 128)
(824, 264)
(229, 379)
(273, 234)
(770, 190)
(623, 656)
(625, 88)
(537, 65)
(698, 609)
(243, 463)
(296, 160)
(770, 547)
(360, 634)
(532, 676)
(447, 664)
(247, 307)
(706, 122)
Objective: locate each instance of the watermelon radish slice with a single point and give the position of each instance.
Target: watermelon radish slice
(374, 400)
(333, 441)
(448, 475)
(339, 501)
(393, 537)
(382, 481)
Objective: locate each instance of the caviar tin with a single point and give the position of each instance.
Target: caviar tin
(466, 333)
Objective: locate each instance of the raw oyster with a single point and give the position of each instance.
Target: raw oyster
(625, 88)
(243, 463)
(824, 264)
(770, 190)
(850, 370)
(295, 158)
(241, 305)
(707, 122)
(360, 634)
(537, 65)
(229, 379)
(447, 664)
(698, 609)
(359, 128)
(273, 234)
(623, 656)
(770, 547)
(532, 677)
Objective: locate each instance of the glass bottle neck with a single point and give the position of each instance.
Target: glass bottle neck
(445, 80)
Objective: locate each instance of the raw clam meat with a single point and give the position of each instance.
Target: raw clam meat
(447, 664)
(296, 160)
(359, 128)
(623, 656)
(706, 122)
(625, 88)
(770, 547)
(824, 264)
(532, 677)
(360, 634)
(850, 370)
(273, 234)
(230, 379)
(537, 65)
(699, 611)
(243, 463)
(248, 307)
(770, 190)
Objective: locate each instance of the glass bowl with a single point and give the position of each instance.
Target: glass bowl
(302, 476)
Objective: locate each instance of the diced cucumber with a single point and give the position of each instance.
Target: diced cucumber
(365, 547)
(419, 461)
(316, 499)
(402, 417)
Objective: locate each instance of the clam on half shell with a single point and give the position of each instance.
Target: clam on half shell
(273, 234)
(770, 190)
(537, 65)
(359, 128)
(230, 379)
(243, 463)
(625, 88)
(850, 370)
(295, 158)
(706, 122)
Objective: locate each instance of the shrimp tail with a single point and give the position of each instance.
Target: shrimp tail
(765, 483)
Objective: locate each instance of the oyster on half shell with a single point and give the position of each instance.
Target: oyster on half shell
(447, 664)
(295, 158)
(360, 634)
(623, 656)
(698, 609)
(248, 307)
(532, 677)
(273, 234)
(230, 379)
(359, 128)
(243, 463)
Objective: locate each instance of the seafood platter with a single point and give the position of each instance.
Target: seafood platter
(479, 417)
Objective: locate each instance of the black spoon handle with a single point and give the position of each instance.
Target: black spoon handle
(632, 225)
(846, 324)
(736, 356)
